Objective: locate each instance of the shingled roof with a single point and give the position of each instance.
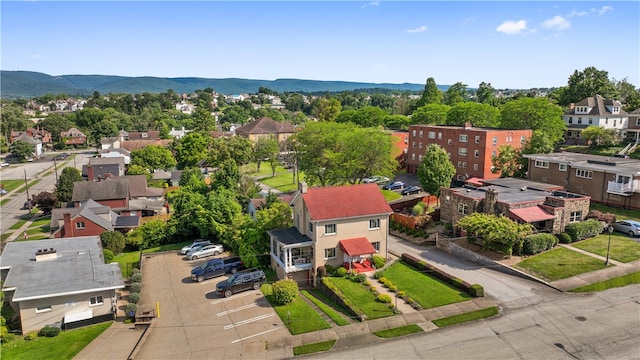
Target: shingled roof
(265, 125)
(103, 190)
(598, 106)
(337, 202)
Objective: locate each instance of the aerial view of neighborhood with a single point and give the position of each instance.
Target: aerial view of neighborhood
(227, 218)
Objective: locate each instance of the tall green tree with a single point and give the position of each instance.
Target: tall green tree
(628, 94)
(588, 83)
(430, 95)
(436, 169)
(21, 149)
(455, 94)
(13, 119)
(113, 240)
(599, 136)
(538, 114)
(508, 162)
(265, 149)
(56, 123)
(327, 109)
(481, 115)
(486, 94)
(191, 149)
(153, 157)
(435, 114)
(64, 186)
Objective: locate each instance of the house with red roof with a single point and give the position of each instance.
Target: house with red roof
(338, 225)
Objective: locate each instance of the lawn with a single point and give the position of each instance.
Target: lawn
(283, 182)
(125, 259)
(470, 316)
(44, 220)
(297, 315)
(31, 184)
(559, 264)
(621, 214)
(5, 236)
(623, 248)
(18, 225)
(4, 201)
(429, 292)
(64, 346)
(390, 195)
(313, 348)
(633, 278)
(167, 247)
(42, 230)
(330, 312)
(362, 297)
(399, 331)
(10, 185)
(265, 169)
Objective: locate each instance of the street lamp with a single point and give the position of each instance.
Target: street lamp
(610, 230)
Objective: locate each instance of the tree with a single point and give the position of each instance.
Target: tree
(456, 93)
(477, 114)
(64, 187)
(45, 201)
(535, 114)
(436, 170)
(327, 109)
(105, 128)
(497, 232)
(599, 136)
(508, 162)
(226, 176)
(628, 94)
(430, 95)
(55, 124)
(486, 94)
(13, 119)
(113, 240)
(588, 83)
(191, 149)
(21, 149)
(192, 179)
(265, 149)
(430, 114)
(278, 215)
(153, 157)
(134, 169)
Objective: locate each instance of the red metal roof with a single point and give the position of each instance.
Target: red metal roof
(475, 181)
(357, 246)
(337, 202)
(531, 214)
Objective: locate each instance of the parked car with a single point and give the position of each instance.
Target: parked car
(3, 191)
(411, 190)
(216, 267)
(196, 242)
(630, 227)
(3, 164)
(376, 179)
(241, 281)
(59, 157)
(205, 251)
(394, 186)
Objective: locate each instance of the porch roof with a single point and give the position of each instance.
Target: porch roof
(531, 214)
(357, 246)
(288, 236)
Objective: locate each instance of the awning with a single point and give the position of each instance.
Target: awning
(531, 214)
(474, 181)
(78, 316)
(357, 246)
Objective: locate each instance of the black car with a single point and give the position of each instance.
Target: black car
(411, 190)
(241, 281)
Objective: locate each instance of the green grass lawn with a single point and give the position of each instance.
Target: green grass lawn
(633, 278)
(470, 316)
(319, 295)
(559, 264)
(399, 331)
(313, 348)
(623, 248)
(331, 313)
(390, 195)
(10, 185)
(297, 316)
(4, 201)
(42, 230)
(5, 236)
(621, 214)
(167, 247)
(265, 169)
(18, 225)
(64, 346)
(132, 257)
(429, 292)
(44, 220)
(362, 297)
(31, 183)
(283, 182)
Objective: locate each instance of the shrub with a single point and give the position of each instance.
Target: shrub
(383, 298)
(599, 215)
(341, 271)
(49, 331)
(584, 229)
(393, 288)
(108, 256)
(534, 244)
(377, 275)
(373, 288)
(418, 209)
(322, 271)
(564, 238)
(31, 336)
(361, 278)
(136, 277)
(131, 310)
(330, 269)
(476, 290)
(402, 293)
(136, 271)
(382, 279)
(366, 282)
(378, 261)
(133, 298)
(113, 240)
(284, 291)
(135, 287)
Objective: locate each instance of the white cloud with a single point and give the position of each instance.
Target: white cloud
(575, 13)
(418, 29)
(35, 56)
(512, 27)
(603, 9)
(557, 22)
(373, 3)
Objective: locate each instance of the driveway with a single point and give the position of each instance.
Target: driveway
(193, 322)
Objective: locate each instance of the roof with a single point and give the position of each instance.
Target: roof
(531, 214)
(598, 106)
(138, 186)
(90, 210)
(609, 164)
(516, 183)
(151, 134)
(474, 181)
(96, 161)
(265, 125)
(77, 268)
(357, 246)
(132, 145)
(103, 190)
(73, 132)
(288, 236)
(126, 222)
(337, 202)
(260, 202)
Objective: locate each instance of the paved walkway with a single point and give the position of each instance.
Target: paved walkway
(116, 342)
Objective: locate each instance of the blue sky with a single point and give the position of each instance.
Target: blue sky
(510, 44)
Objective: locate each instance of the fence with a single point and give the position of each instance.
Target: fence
(161, 217)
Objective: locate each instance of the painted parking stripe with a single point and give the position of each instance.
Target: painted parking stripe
(247, 321)
(254, 335)
(233, 297)
(223, 313)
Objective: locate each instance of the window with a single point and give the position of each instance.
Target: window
(419, 145)
(449, 155)
(464, 164)
(585, 174)
(462, 151)
(374, 224)
(523, 139)
(459, 164)
(542, 164)
(330, 253)
(414, 132)
(96, 300)
(463, 209)
(413, 156)
(638, 121)
(570, 120)
(575, 216)
(495, 140)
(420, 133)
(477, 139)
(493, 153)
(449, 141)
(133, 213)
(413, 144)
(463, 138)
(376, 245)
(579, 120)
(432, 134)
(590, 121)
(310, 227)
(476, 153)
(562, 167)
(41, 309)
(80, 225)
(330, 229)
(439, 136)
(420, 158)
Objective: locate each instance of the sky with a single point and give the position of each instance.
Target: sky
(509, 44)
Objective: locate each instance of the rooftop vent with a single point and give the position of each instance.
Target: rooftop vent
(46, 254)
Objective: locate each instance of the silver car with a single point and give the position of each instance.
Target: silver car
(207, 250)
(630, 227)
(196, 244)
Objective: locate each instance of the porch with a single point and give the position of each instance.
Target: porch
(358, 253)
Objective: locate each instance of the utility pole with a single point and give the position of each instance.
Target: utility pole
(26, 185)
(55, 166)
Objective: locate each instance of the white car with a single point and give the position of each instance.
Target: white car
(3, 191)
(196, 244)
(3, 164)
(207, 250)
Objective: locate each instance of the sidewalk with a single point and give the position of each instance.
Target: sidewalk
(116, 342)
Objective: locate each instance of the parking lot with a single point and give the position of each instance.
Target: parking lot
(194, 322)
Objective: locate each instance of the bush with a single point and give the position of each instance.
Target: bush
(534, 244)
(284, 291)
(373, 288)
(599, 215)
(136, 271)
(378, 261)
(135, 287)
(402, 293)
(322, 272)
(564, 238)
(393, 288)
(31, 336)
(583, 229)
(383, 298)
(330, 269)
(108, 256)
(49, 331)
(361, 278)
(341, 271)
(382, 279)
(131, 310)
(133, 298)
(476, 290)
(377, 275)
(136, 277)
(6, 337)
(113, 240)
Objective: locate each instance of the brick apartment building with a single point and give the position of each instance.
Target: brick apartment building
(470, 148)
(607, 180)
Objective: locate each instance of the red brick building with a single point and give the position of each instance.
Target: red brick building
(470, 148)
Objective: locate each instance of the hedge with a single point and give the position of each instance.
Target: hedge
(534, 244)
(439, 274)
(583, 229)
(564, 238)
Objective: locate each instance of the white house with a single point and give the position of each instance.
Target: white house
(595, 111)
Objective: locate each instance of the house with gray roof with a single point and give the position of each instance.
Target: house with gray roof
(103, 167)
(61, 281)
(595, 111)
(266, 128)
(89, 219)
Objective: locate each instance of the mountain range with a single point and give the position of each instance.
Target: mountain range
(28, 84)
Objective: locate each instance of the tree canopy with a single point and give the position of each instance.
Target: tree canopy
(153, 157)
(588, 83)
(436, 170)
(64, 187)
(537, 114)
(21, 149)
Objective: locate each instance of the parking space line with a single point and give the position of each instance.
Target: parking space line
(232, 298)
(247, 321)
(254, 335)
(237, 309)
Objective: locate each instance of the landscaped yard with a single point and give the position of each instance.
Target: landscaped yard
(283, 181)
(127, 262)
(559, 264)
(633, 278)
(265, 169)
(10, 185)
(623, 248)
(620, 213)
(297, 315)
(335, 316)
(362, 297)
(427, 291)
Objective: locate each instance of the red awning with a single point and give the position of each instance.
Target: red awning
(357, 246)
(474, 181)
(531, 214)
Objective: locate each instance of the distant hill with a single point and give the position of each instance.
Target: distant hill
(27, 84)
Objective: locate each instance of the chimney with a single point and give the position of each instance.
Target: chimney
(490, 199)
(46, 254)
(302, 187)
(67, 226)
(467, 125)
(572, 106)
(90, 173)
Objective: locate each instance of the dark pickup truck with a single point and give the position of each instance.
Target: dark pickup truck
(216, 267)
